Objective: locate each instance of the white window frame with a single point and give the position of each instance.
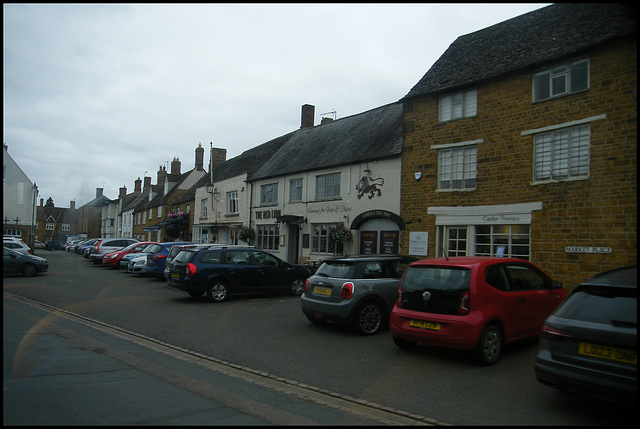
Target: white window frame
(50, 226)
(562, 154)
(204, 208)
(232, 202)
(328, 186)
(268, 237)
(295, 190)
(269, 194)
(458, 166)
(458, 105)
(561, 80)
(320, 242)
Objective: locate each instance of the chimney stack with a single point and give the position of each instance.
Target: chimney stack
(162, 174)
(123, 192)
(147, 182)
(137, 186)
(175, 166)
(199, 158)
(99, 192)
(72, 205)
(41, 202)
(308, 113)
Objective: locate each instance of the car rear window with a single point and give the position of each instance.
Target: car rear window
(184, 256)
(438, 278)
(155, 248)
(341, 270)
(601, 305)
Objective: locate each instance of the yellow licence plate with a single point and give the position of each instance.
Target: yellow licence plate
(175, 275)
(604, 352)
(424, 324)
(326, 291)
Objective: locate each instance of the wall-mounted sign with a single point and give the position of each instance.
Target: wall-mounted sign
(267, 214)
(418, 243)
(587, 249)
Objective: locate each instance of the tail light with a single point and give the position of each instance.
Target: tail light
(191, 269)
(157, 257)
(306, 285)
(554, 334)
(463, 307)
(347, 290)
(399, 297)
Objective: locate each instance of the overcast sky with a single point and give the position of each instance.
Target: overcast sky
(95, 96)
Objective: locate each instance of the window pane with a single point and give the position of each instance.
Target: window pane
(580, 76)
(541, 87)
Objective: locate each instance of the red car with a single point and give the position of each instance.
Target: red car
(472, 303)
(113, 259)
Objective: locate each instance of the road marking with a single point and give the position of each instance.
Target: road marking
(358, 407)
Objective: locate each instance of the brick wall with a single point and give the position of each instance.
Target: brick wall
(599, 211)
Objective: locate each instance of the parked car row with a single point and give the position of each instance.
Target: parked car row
(479, 304)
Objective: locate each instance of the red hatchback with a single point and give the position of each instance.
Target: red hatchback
(113, 259)
(472, 303)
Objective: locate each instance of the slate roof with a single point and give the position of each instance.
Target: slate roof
(374, 134)
(527, 41)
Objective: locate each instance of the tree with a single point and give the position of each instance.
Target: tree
(49, 203)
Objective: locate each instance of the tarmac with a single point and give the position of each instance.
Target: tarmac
(58, 371)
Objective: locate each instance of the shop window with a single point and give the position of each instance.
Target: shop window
(320, 239)
(267, 237)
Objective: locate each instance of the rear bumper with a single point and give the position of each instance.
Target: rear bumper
(340, 311)
(598, 384)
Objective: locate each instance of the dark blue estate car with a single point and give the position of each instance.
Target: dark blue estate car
(157, 257)
(221, 272)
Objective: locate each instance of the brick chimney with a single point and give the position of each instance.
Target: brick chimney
(175, 166)
(147, 182)
(162, 174)
(123, 192)
(72, 205)
(99, 192)
(41, 202)
(218, 156)
(199, 158)
(138, 185)
(308, 113)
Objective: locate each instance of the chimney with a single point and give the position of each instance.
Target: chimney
(99, 192)
(123, 192)
(199, 158)
(175, 166)
(41, 202)
(162, 175)
(72, 205)
(147, 182)
(138, 185)
(326, 120)
(218, 156)
(308, 113)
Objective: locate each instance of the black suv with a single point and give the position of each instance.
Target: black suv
(355, 289)
(223, 271)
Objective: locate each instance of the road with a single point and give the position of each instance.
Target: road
(270, 335)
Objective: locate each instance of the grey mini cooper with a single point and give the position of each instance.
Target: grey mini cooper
(359, 290)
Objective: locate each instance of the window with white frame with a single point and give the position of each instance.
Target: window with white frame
(320, 242)
(295, 190)
(267, 237)
(232, 202)
(561, 154)
(459, 105)
(269, 194)
(66, 227)
(50, 226)
(511, 240)
(457, 241)
(457, 167)
(328, 186)
(561, 80)
(204, 208)
(159, 211)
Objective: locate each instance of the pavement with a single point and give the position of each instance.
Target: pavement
(58, 371)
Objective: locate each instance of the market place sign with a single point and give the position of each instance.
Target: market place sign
(588, 249)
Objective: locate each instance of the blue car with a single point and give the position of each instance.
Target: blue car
(157, 257)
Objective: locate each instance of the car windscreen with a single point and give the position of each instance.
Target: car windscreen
(601, 304)
(337, 269)
(147, 248)
(419, 277)
(154, 248)
(131, 246)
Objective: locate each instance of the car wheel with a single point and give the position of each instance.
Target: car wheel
(297, 287)
(489, 345)
(217, 292)
(29, 270)
(369, 318)
(404, 344)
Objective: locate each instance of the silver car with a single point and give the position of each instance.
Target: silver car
(359, 290)
(108, 245)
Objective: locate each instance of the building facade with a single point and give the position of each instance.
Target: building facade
(521, 140)
(19, 196)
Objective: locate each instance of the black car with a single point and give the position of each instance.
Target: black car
(221, 272)
(589, 344)
(19, 263)
(54, 245)
(359, 290)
